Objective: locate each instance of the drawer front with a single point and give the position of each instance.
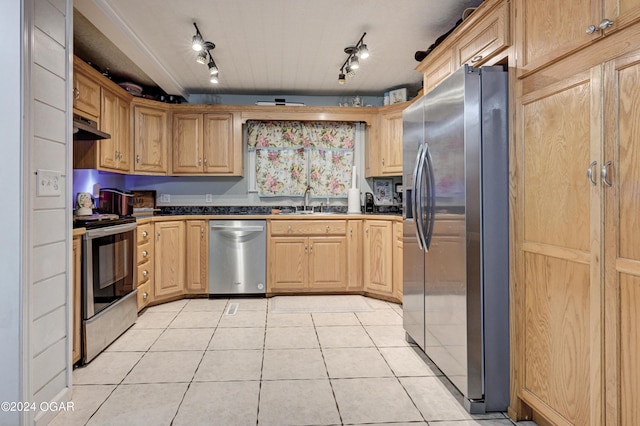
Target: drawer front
(309, 227)
(144, 295)
(481, 43)
(144, 233)
(144, 272)
(143, 253)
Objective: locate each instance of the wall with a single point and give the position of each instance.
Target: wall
(85, 179)
(48, 136)
(307, 100)
(11, 225)
(231, 191)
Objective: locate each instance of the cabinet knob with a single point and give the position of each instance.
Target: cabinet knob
(145, 295)
(605, 23)
(305, 248)
(383, 161)
(145, 234)
(366, 231)
(311, 248)
(328, 228)
(476, 59)
(145, 253)
(158, 236)
(351, 232)
(76, 93)
(145, 273)
(205, 161)
(199, 161)
(201, 232)
(137, 158)
(289, 228)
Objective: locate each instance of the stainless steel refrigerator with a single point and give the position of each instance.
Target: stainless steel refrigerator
(456, 232)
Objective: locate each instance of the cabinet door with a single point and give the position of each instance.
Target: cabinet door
(218, 144)
(169, 259)
(354, 252)
(328, 263)
(123, 132)
(560, 335)
(397, 260)
(197, 257)
(621, 12)
(187, 143)
(378, 257)
(391, 144)
(550, 29)
(622, 228)
(108, 123)
(150, 139)
(488, 37)
(86, 96)
(440, 67)
(287, 263)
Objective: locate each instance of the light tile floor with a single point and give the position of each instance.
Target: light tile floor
(190, 363)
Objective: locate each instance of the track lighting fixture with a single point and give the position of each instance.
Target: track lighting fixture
(204, 48)
(352, 63)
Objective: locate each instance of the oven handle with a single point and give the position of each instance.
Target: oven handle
(110, 230)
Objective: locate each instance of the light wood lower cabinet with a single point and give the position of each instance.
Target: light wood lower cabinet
(144, 262)
(169, 259)
(76, 297)
(307, 256)
(397, 260)
(378, 257)
(197, 261)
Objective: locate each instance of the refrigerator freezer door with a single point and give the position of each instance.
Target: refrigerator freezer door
(413, 256)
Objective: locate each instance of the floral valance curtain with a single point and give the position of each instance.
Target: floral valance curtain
(293, 154)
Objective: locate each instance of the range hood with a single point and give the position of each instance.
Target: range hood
(87, 130)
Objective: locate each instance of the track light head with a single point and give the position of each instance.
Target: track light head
(341, 78)
(354, 62)
(363, 51)
(350, 71)
(213, 69)
(214, 79)
(202, 57)
(197, 42)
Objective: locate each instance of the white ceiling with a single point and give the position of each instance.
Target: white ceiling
(265, 47)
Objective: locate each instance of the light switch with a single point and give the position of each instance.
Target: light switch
(49, 183)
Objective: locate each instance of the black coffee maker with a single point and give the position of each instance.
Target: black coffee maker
(368, 202)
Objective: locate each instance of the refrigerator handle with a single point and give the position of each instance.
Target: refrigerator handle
(420, 222)
(431, 197)
(415, 195)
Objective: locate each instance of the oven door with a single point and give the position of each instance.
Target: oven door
(108, 266)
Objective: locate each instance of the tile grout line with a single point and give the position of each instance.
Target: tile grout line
(326, 369)
(264, 347)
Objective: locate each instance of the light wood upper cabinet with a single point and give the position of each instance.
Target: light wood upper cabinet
(169, 260)
(437, 67)
(115, 153)
(150, 138)
(481, 42)
(384, 156)
(378, 256)
(206, 144)
(197, 262)
(550, 30)
(86, 92)
(187, 144)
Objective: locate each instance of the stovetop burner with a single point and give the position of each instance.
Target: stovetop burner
(100, 220)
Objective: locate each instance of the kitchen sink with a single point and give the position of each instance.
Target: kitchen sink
(310, 212)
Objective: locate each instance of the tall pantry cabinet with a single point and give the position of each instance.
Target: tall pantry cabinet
(577, 195)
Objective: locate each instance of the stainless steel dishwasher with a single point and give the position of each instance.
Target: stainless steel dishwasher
(237, 257)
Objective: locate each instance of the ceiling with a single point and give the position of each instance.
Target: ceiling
(262, 47)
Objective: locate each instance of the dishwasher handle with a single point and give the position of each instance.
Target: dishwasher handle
(238, 228)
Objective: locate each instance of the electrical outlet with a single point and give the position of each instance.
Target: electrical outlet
(208, 198)
(49, 183)
(165, 198)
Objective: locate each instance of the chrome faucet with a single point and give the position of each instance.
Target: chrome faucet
(304, 202)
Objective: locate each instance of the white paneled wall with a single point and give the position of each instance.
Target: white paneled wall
(49, 230)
